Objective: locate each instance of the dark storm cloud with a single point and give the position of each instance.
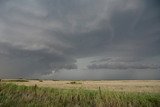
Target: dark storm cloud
(38, 36)
(20, 62)
(118, 59)
(121, 63)
(122, 66)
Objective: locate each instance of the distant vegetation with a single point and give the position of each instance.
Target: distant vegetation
(40, 80)
(34, 96)
(14, 80)
(74, 82)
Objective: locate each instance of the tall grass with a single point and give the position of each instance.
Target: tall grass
(34, 96)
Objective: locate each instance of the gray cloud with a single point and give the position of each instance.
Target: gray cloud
(118, 59)
(122, 63)
(18, 62)
(38, 36)
(122, 66)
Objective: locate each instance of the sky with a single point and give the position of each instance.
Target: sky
(80, 39)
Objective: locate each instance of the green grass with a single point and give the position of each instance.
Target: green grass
(12, 95)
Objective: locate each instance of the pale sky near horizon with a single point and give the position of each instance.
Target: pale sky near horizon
(80, 39)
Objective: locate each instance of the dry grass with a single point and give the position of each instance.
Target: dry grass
(117, 85)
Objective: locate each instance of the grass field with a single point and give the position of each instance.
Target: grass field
(80, 93)
(119, 85)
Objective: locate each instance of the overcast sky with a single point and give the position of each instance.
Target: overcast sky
(80, 39)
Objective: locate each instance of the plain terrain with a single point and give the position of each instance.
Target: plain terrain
(40, 93)
(116, 85)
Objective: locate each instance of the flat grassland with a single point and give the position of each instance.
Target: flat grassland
(113, 85)
(45, 93)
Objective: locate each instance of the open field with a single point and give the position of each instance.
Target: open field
(117, 85)
(12, 95)
(40, 93)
